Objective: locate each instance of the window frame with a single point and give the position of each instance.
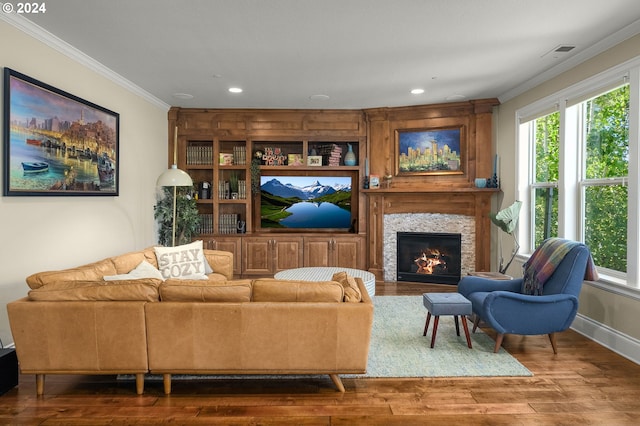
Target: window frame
(572, 180)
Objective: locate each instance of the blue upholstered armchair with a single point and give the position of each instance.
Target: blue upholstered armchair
(504, 307)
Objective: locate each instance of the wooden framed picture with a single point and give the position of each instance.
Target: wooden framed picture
(56, 143)
(436, 151)
(374, 182)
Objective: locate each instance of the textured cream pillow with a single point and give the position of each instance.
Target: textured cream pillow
(182, 262)
(143, 270)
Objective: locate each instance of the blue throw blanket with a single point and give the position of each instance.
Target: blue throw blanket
(544, 261)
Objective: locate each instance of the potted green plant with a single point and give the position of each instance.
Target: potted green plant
(187, 220)
(507, 220)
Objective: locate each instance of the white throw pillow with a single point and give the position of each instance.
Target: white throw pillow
(182, 262)
(143, 270)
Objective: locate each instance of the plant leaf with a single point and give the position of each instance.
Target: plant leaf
(507, 219)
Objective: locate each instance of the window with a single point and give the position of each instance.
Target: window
(605, 123)
(544, 190)
(575, 177)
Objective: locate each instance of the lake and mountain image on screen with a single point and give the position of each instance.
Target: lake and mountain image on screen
(311, 202)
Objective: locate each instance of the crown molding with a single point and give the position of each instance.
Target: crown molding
(68, 50)
(588, 53)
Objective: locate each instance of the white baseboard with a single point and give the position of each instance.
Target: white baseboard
(608, 337)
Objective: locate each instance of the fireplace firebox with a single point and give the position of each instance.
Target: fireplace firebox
(429, 257)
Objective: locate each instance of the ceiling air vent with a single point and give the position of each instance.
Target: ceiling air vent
(564, 49)
(557, 51)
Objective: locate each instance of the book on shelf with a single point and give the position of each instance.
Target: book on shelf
(199, 155)
(224, 190)
(206, 224)
(228, 223)
(240, 155)
(242, 189)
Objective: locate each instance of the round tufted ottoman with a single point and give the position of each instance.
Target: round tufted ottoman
(446, 304)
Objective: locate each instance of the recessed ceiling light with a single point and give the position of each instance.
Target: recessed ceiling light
(417, 91)
(183, 96)
(319, 97)
(235, 90)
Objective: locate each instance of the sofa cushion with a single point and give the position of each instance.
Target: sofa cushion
(182, 262)
(205, 291)
(129, 290)
(91, 272)
(351, 290)
(272, 290)
(143, 270)
(128, 261)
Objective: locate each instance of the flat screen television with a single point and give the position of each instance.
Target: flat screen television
(306, 203)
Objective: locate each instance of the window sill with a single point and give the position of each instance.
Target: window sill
(605, 282)
(616, 286)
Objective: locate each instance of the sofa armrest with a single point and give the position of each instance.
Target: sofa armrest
(79, 337)
(220, 261)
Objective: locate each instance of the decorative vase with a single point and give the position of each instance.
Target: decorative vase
(350, 157)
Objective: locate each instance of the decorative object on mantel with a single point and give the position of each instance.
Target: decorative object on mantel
(374, 181)
(507, 220)
(365, 182)
(387, 179)
(481, 182)
(493, 182)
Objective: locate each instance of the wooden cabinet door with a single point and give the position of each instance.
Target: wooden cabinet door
(257, 259)
(317, 251)
(230, 244)
(287, 253)
(347, 252)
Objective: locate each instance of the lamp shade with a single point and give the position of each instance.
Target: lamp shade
(174, 177)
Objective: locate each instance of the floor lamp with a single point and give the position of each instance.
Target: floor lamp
(174, 177)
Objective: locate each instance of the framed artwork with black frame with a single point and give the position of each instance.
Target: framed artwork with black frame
(430, 151)
(56, 143)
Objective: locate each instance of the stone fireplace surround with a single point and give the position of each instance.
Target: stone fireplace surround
(427, 222)
(455, 210)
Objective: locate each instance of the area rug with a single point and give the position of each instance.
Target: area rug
(398, 348)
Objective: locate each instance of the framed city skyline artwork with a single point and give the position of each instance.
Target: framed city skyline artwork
(56, 143)
(436, 151)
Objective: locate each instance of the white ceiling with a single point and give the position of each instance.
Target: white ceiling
(359, 53)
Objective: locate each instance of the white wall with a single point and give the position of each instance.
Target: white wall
(41, 233)
(615, 315)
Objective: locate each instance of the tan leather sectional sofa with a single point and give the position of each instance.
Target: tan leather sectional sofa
(75, 322)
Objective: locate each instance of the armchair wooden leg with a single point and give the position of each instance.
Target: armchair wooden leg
(552, 338)
(476, 322)
(499, 338)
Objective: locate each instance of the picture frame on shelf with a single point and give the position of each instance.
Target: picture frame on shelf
(55, 143)
(295, 160)
(374, 182)
(314, 160)
(430, 151)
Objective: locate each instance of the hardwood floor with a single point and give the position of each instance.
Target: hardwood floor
(585, 384)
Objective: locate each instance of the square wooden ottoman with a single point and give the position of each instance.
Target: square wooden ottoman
(446, 304)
